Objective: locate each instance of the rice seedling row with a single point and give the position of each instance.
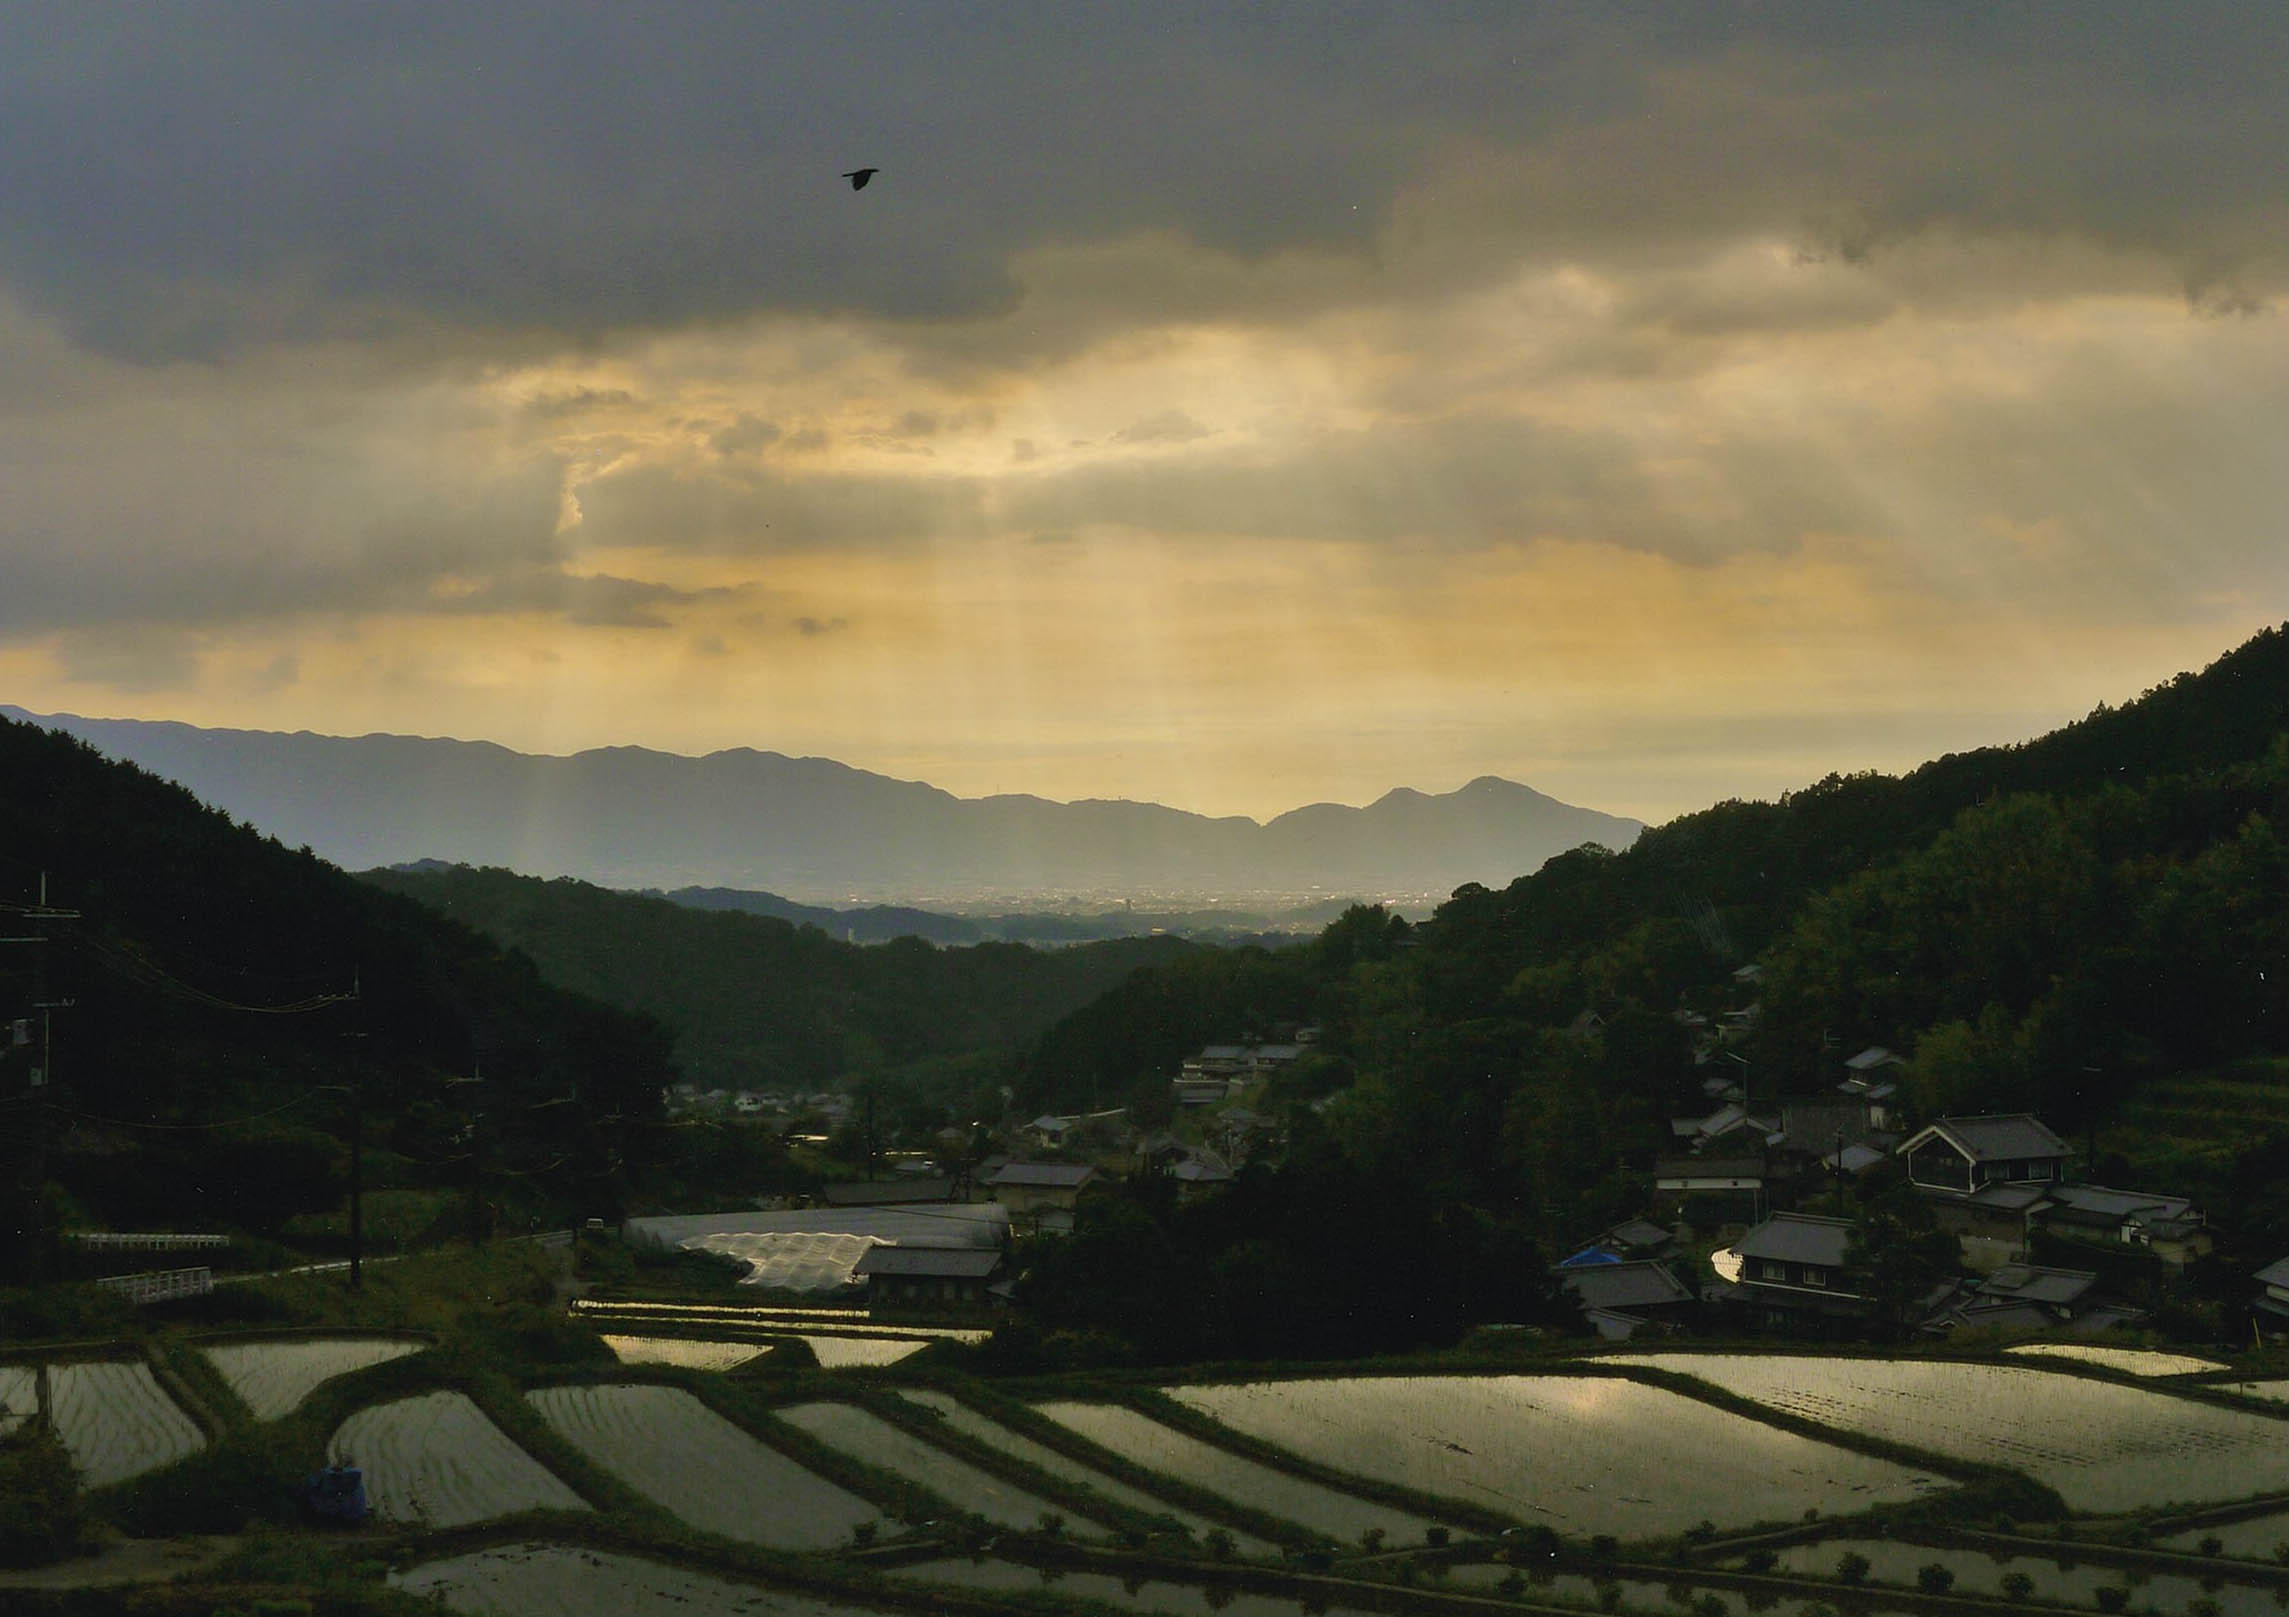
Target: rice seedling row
(272, 1378)
(437, 1460)
(1146, 1442)
(1042, 1457)
(873, 1441)
(672, 1448)
(112, 1415)
(1581, 1454)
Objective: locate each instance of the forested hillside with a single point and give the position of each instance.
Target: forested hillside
(216, 997)
(2073, 926)
(759, 1001)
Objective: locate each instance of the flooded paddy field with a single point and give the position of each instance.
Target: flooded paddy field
(2130, 1361)
(672, 1448)
(2277, 1391)
(565, 1580)
(112, 1415)
(2259, 1538)
(873, 1441)
(2103, 1447)
(856, 1352)
(439, 1461)
(993, 1434)
(272, 1378)
(1176, 1599)
(1145, 1442)
(1582, 1454)
(2058, 1580)
(684, 1353)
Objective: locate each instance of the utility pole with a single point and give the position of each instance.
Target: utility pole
(357, 1181)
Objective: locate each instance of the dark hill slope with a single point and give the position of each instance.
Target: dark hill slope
(194, 931)
(759, 1001)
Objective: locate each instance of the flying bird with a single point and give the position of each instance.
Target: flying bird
(859, 176)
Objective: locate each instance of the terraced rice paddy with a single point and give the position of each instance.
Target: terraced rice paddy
(2103, 1447)
(272, 1378)
(2130, 1361)
(2059, 1581)
(112, 1415)
(2256, 1539)
(516, 1580)
(2277, 1391)
(1340, 1516)
(670, 1447)
(1017, 1446)
(682, 1353)
(873, 1441)
(438, 1461)
(1176, 1599)
(856, 1352)
(1582, 1454)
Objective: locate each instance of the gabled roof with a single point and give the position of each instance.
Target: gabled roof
(2033, 1283)
(2008, 1198)
(2274, 1274)
(1798, 1238)
(1626, 1285)
(941, 1262)
(1051, 1175)
(2008, 1137)
(1639, 1232)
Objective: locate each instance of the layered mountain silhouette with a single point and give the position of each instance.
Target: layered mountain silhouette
(812, 828)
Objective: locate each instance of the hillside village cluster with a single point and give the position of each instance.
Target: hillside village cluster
(1728, 1240)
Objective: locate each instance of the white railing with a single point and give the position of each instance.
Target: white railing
(103, 1241)
(160, 1285)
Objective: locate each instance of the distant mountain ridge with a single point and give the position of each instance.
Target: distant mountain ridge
(814, 829)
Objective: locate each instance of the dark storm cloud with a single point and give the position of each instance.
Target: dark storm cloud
(182, 181)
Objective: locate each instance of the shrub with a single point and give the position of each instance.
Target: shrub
(1437, 1538)
(2213, 1545)
(862, 1534)
(1608, 1594)
(1711, 1606)
(1219, 1543)
(2111, 1597)
(1052, 1524)
(1701, 1531)
(1511, 1586)
(2018, 1586)
(1372, 1540)
(1934, 1578)
(1759, 1561)
(1604, 1546)
(40, 1510)
(2203, 1608)
(1852, 1567)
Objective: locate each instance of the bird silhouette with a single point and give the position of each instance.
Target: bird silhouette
(859, 176)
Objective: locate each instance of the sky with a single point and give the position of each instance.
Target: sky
(1231, 407)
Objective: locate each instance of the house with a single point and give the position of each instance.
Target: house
(2028, 1297)
(1050, 1131)
(1714, 1189)
(1792, 1270)
(2170, 1227)
(1620, 1299)
(928, 1276)
(1199, 1172)
(1201, 1090)
(1959, 1155)
(2271, 1304)
(1027, 1187)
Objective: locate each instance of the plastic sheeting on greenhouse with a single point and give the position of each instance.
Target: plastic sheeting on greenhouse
(814, 1251)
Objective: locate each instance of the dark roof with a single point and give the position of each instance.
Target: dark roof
(2010, 1198)
(2105, 1202)
(2274, 1274)
(1874, 1056)
(1053, 1175)
(943, 1262)
(1798, 1238)
(1819, 1125)
(886, 1192)
(2010, 1137)
(1639, 1232)
(2032, 1283)
(1626, 1285)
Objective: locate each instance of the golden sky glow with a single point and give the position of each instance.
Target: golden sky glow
(1693, 439)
